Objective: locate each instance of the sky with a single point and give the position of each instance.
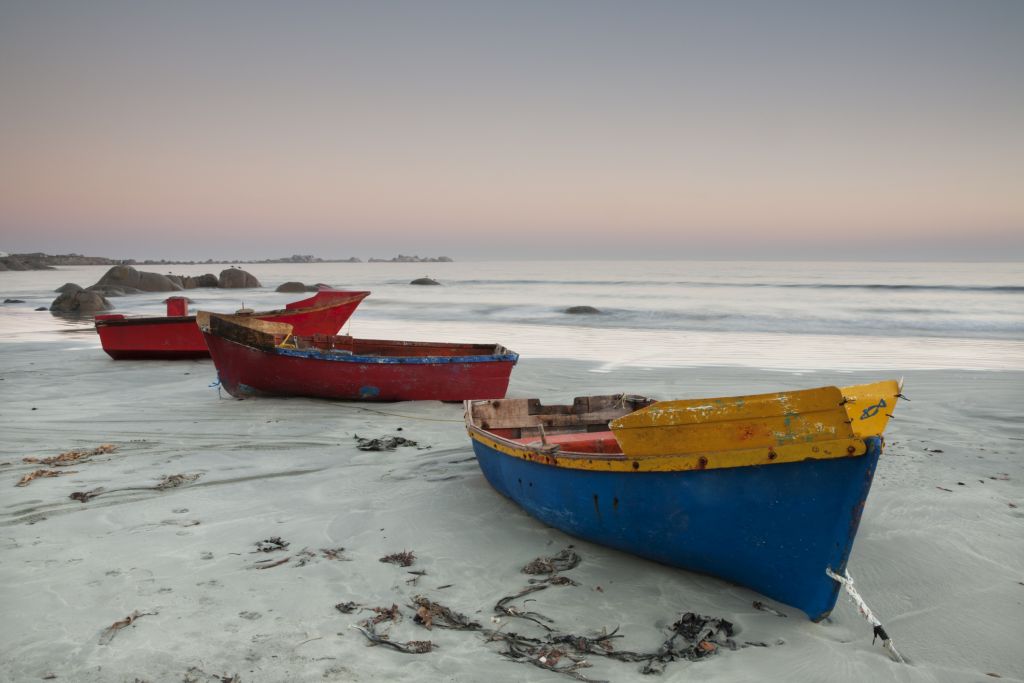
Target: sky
(733, 129)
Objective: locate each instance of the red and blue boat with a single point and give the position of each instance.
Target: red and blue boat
(176, 335)
(256, 357)
(766, 491)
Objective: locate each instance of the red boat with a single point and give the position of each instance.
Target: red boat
(255, 357)
(177, 336)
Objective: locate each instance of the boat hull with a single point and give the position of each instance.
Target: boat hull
(178, 337)
(773, 528)
(247, 371)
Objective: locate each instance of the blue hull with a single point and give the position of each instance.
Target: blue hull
(773, 528)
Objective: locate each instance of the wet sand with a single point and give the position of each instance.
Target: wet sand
(942, 567)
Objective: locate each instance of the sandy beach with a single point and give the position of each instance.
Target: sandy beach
(938, 556)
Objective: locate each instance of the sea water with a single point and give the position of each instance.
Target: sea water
(776, 315)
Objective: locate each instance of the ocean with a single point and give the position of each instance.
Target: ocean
(774, 315)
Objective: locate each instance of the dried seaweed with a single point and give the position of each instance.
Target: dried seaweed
(85, 496)
(541, 654)
(564, 561)
(429, 613)
(40, 474)
(411, 647)
(382, 443)
(502, 607)
(406, 558)
(169, 481)
(269, 545)
(111, 631)
(334, 554)
(70, 457)
(368, 627)
(175, 480)
(347, 607)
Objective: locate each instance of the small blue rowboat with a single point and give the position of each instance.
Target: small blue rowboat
(766, 491)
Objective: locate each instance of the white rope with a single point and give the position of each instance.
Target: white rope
(847, 582)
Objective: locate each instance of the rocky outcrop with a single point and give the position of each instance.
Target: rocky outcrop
(126, 278)
(582, 310)
(402, 258)
(236, 278)
(81, 302)
(295, 287)
(25, 262)
(14, 301)
(68, 287)
(424, 281)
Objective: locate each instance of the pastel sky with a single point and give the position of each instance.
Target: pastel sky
(513, 129)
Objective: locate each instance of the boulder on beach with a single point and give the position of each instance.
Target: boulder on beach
(14, 301)
(424, 281)
(236, 278)
(80, 303)
(126, 278)
(295, 287)
(68, 287)
(582, 310)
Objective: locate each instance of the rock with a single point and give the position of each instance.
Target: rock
(14, 301)
(113, 290)
(236, 278)
(582, 310)
(295, 287)
(68, 287)
(42, 308)
(207, 280)
(424, 281)
(122, 277)
(83, 302)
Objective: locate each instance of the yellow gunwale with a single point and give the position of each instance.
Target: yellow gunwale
(750, 457)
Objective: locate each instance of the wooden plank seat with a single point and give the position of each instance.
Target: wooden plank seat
(577, 442)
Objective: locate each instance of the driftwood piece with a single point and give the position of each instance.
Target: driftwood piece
(41, 474)
(111, 631)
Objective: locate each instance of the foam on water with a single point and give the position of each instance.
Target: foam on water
(772, 315)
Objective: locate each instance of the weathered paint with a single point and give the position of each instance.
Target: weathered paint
(250, 367)
(742, 430)
(869, 406)
(773, 529)
(174, 337)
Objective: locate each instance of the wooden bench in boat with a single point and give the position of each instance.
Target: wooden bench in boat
(577, 442)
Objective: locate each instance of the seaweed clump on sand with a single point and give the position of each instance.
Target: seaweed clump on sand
(692, 636)
(382, 443)
(406, 558)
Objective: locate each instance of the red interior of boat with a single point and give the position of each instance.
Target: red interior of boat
(577, 442)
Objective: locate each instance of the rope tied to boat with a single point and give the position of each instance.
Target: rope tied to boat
(846, 581)
(215, 383)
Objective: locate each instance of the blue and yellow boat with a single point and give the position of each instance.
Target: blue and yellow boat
(766, 491)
